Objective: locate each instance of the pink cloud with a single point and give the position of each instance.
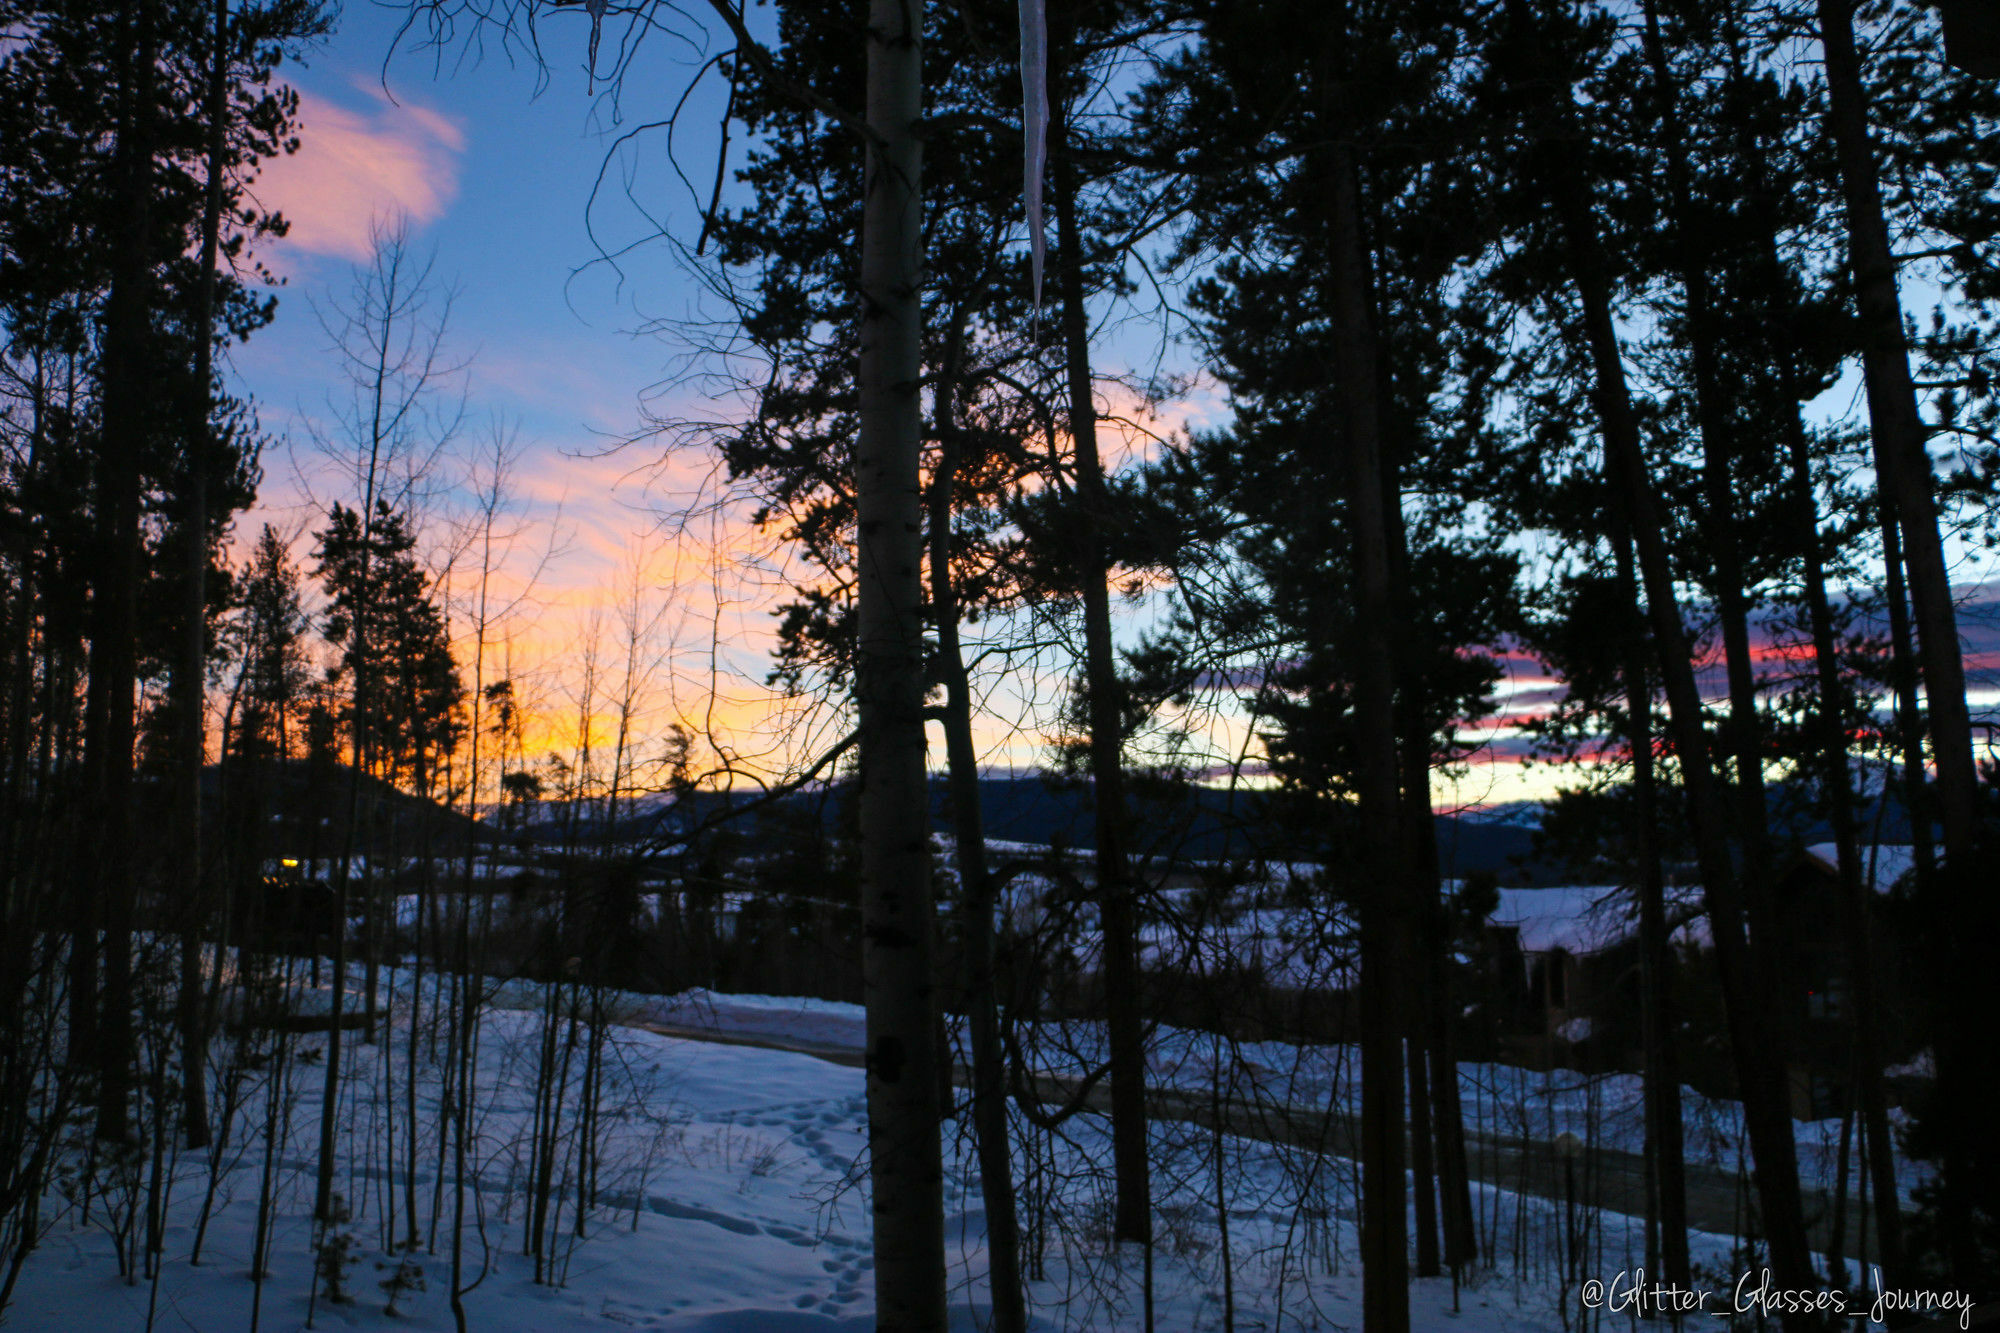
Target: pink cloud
(355, 166)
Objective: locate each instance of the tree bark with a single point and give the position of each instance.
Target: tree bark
(1116, 891)
(1870, 1096)
(1721, 526)
(1664, 1138)
(1380, 891)
(1430, 1170)
(905, 1160)
(1442, 1127)
(976, 892)
(192, 668)
(110, 719)
(388, 274)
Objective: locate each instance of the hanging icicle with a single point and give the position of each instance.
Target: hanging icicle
(1035, 127)
(596, 10)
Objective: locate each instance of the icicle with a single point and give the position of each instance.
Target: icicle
(596, 10)
(1035, 127)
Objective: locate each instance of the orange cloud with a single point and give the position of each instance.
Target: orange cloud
(355, 166)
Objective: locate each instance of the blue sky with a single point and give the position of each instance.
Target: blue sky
(495, 175)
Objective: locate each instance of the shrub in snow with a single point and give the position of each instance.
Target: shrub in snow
(407, 1280)
(336, 1253)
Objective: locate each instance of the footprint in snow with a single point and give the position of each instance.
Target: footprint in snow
(690, 1213)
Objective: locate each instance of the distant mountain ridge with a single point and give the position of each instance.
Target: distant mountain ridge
(1202, 824)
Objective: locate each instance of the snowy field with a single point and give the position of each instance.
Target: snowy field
(733, 1197)
(1502, 1101)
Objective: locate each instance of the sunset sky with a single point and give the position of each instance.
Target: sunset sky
(557, 310)
(494, 168)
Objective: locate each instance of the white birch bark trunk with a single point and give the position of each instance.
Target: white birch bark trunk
(905, 1161)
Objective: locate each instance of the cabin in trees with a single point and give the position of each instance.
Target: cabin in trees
(1558, 978)
(1557, 971)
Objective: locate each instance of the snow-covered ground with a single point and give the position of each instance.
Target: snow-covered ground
(1504, 1102)
(733, 1198)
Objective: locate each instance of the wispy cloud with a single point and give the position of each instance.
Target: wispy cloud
(355, 165)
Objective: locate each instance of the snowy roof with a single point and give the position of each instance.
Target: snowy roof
(1888, 863)
(1590, 918)
(1575, 919)
(1581, 919)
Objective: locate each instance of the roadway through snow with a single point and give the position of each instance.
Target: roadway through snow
(1614, 1179)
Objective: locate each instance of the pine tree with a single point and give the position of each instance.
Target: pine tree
(1330, 324)
(381, 602)
(270, 646)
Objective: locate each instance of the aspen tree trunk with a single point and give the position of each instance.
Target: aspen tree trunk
(1760, 1077)
(976, 893)
(426, 895)
(1666, 1161)
(472, 972)
(192, 667)
(389, 276)
(589, 1151)
(1385, 1291)
(457, 1104)
(906, 1166)
(330, 1083)
(1119, 971)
